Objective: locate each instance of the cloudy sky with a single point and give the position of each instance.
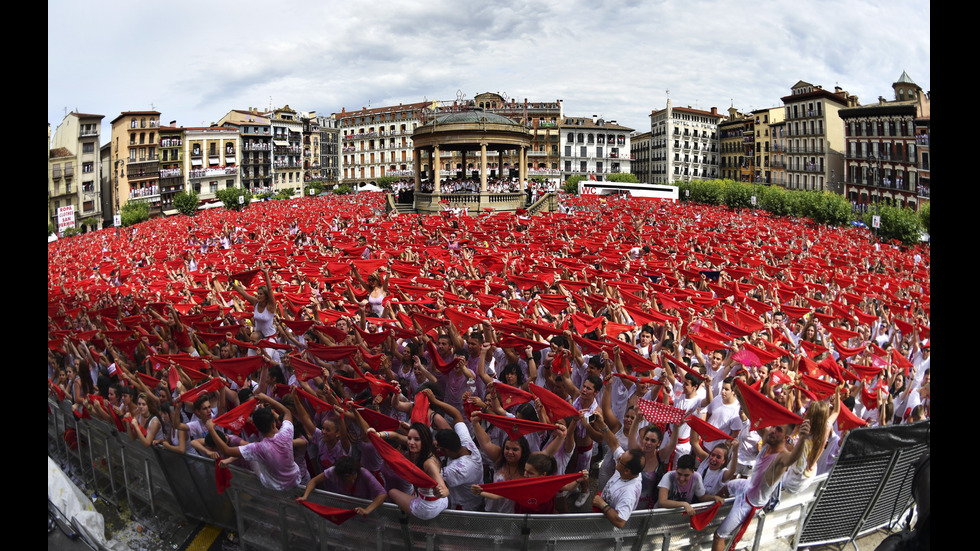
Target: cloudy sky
(193, 61)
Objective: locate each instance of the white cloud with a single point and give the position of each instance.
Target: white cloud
(194, 61)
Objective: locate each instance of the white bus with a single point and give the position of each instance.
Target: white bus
(653, 191)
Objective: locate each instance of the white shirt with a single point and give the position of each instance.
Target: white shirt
(462, 472)
(622, 495)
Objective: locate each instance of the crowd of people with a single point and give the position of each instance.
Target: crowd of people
(495, 362)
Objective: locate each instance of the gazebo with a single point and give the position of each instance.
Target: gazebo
(474, 130)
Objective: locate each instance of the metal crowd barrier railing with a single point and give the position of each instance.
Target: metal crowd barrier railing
(183, 485)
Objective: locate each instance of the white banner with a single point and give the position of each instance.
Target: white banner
(66, 218)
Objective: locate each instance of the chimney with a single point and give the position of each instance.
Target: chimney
(173, 123)
(714, 110)
(593, 119)
(837, 89)
(881, 100)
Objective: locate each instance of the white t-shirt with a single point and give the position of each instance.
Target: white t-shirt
(462, 472)
(723, 417)
(622, 495)
(272, 459)
(689, 493)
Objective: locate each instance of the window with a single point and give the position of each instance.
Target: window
(584, 152)
(584, 166)
(568, 151)
(88, 148)
(88, 167)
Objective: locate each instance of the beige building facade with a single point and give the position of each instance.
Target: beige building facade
(640, 156)
(74, 168)
(376, 142)
(212, 159)
(685, 144)
(815, 136)
(135, 161)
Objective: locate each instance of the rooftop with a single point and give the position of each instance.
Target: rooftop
(470, 116)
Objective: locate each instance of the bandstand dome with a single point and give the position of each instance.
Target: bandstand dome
(474, 115)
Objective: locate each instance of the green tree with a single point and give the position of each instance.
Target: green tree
(623, 177)
(89, 224)
(343, 189)
(51, 228)
(384, 182)
(286, 193)
(134, 212)
(186, 202)
(317, 188)
(737, 195)
(571, 185)
(229, 197)
(924, 217)
(900, 224)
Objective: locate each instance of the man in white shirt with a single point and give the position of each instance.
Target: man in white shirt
(619, 497)
(723, 413)
(464, 464)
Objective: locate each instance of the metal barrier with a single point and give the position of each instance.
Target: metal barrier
(868, 489)
(269, 519)
(870, 486)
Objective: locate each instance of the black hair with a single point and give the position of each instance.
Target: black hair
(511, 368)
(209, 440)
(103, 384)
(244, 395)
(637, 461)
(263, 419)
(543, 463)
(596, 382)
(425, 435)
(527, 412)
(447, 438)
(525, 453)
(200, 401)
(686, 462)
(346, 465)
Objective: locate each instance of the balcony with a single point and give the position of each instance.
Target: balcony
(884, 184)
(141, 174)
(88, 132)
(144, 192)
(56, 173)
(146, 159)
(171, 172)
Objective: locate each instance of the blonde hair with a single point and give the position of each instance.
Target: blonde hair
(818, 413)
